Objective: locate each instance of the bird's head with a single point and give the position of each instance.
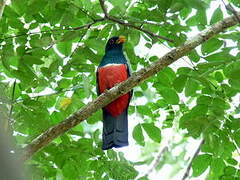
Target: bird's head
(115, 43)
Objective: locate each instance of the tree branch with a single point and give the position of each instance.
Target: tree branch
(231, 9)
(11, 107)
(121, 22)
(138, 28)
(2, 6)
(85, 26)
(156, 162)
(83, 11)
(104, 8)
(122, 88)
(186, 174)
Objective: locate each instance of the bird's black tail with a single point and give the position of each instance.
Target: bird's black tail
(115, 130)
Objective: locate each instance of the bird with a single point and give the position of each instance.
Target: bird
(112, 70)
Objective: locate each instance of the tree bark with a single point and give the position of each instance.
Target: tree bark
(46, 137)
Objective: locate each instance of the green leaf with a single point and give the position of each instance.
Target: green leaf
(184, 70)
(220, 103)
(191, 87)
(164, 5)
(232, 70)
(169, 95)
(221, 56)
(36, 5)
(229, 170)
(32, 60)
(64, 83)
(217, 16)
(65, 48)
(96, 117)
(232, 161)
(152, 131)
(200, 164)
(138, 135)
(211, 45)
(201, 17)
(217, 167)
(86, 85)
(163, 80)
(69, 170)
(119, 4)
(15, 23)
(193, 56)
(207, 100)
(176, 7)
(192, 21)
(9, 12)
(105, 31)
(41, 42)
(179, 83)
(112, 154)
(218, 76)
(144, 110)
(169, 72)
(70, 35)
(199, 110)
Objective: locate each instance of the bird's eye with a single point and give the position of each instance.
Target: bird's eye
(111, 41)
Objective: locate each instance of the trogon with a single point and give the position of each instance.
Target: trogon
(112, 70)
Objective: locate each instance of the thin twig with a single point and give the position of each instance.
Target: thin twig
(138, 28)
(11, 107)
(230, 8)
(157, 160)
(186, 174)
(80, 39)
(53, 93)
(136, 21)
(83, 11)
(104, 8)
(121, 22)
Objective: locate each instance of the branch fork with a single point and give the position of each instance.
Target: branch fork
(121, 22)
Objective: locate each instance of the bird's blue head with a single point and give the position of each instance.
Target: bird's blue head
(115, 43)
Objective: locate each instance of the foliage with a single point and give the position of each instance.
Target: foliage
(53, 67)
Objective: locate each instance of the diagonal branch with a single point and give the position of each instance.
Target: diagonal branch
(122, 88)
(121, 22)
(156, 161)
(11, 107)
(138, 28)
(230, 8)
(104, 8)
(186, 174)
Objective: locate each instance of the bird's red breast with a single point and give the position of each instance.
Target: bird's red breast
(108, 76)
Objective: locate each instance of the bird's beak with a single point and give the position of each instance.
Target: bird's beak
(121, 39)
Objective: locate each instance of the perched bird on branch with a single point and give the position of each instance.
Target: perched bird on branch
(112, 70)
